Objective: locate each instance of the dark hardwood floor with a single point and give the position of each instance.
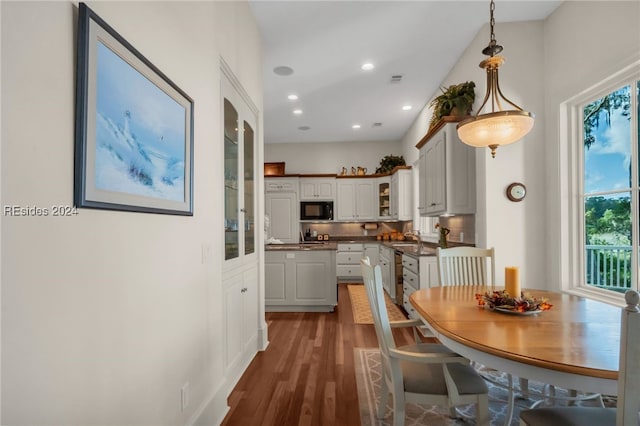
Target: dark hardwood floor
(306, 376)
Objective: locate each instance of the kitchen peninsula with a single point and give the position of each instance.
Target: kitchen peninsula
(300, 277)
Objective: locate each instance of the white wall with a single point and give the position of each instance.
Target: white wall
(330, 157)
(106, 315)
(585, 42)
(515, 230)
(547, 62)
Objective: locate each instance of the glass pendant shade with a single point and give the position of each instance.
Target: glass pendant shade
(495, 129)
(498, 127)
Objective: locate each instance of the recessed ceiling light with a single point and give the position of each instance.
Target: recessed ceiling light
(368, 66)
(297, 111)
(283, 70)
(406, 107)
(292, 97)
(355, 126)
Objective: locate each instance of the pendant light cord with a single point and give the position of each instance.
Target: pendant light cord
(493, 48)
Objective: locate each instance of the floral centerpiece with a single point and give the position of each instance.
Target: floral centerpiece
(502, 300)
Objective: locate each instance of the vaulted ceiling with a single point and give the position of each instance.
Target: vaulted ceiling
(325, 43)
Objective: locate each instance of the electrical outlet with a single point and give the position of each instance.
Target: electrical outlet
(184, 397)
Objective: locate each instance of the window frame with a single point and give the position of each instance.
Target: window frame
(572, 190)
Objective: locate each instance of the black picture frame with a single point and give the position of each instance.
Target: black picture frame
(134, 128)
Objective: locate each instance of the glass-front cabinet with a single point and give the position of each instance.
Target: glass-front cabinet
(384, 198)
(239, 176)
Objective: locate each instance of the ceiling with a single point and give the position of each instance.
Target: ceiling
(326, 42)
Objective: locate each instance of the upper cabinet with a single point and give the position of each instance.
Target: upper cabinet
(281, 209)
(401, 197)
(447, 173)
(384, 198)
(356, 199)
(239, 176)
(318, 189)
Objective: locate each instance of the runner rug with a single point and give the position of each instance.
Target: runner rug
(360, 306)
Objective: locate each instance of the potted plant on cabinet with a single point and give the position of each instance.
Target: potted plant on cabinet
(455, 100)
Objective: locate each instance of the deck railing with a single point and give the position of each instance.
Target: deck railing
(608, 267)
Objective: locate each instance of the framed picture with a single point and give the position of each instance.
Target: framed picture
(134, 128)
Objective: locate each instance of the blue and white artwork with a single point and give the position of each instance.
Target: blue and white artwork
(140, 133)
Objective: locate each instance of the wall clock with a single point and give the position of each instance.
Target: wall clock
(516, 191)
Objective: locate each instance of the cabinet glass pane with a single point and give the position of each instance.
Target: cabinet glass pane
(383, 199)
(231, 241)
(249, 184)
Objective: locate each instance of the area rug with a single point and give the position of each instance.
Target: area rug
(361, 309)
(368, 379)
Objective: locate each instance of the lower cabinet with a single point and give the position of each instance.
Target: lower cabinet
(417, 273)
(300, 281)
(388, 270)
(348, 261)
(240, 289)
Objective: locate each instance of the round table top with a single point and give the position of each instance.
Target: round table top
(577, 335)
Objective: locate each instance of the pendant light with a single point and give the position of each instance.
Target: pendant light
(498, 127)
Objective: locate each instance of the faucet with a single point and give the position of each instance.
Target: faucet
(416, 236)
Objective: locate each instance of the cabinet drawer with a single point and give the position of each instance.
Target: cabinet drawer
(411, 263)
(281, 186)
(349, 258)
(410, 278)
(348, 271)
(350, 247)
(410, 309)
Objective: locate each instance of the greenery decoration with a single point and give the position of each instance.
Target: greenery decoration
(456, 99)
(389, 162)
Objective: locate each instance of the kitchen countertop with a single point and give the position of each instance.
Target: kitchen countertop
(307, 246)
(405, 247)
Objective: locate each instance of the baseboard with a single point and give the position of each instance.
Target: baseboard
(213, 409)
(263, 337)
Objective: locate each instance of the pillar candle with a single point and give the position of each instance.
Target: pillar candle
(512, 280)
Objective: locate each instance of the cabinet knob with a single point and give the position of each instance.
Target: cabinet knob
(432, 204)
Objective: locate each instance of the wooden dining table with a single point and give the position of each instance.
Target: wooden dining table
(574, 345)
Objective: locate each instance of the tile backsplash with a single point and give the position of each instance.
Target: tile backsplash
(463, 228)
(352, 229)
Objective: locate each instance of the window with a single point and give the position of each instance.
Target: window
(605, 167)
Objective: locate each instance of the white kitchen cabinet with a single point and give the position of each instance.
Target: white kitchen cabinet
(447, 173)
(277, 184)
(356, 199)
(282, 210)
(348, 257)
(240, 289)
(384, 197)
(372, 251)
(300, 281)
(417, 273)
(321, 189)
(388, 270)
(244, 330)
(401, 197)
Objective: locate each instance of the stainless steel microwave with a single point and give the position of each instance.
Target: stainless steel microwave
(316, 210)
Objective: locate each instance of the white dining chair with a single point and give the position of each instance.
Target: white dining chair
(628, 405)
(426, 373)
(466, 266)
(475, 266)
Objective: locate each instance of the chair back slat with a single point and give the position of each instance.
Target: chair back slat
(629, 374)
(466, 266)
(372, 277)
